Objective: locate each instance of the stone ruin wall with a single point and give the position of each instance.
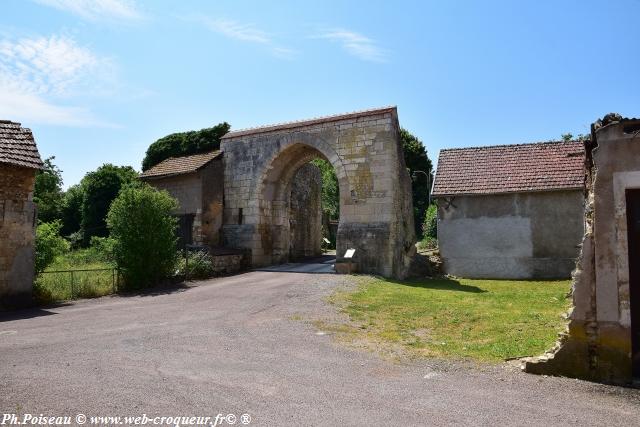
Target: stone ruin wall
(597, 343)
(17, 235)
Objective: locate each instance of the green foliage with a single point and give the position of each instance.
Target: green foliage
(101, 187)
(143, 228)
(330, 189)
(416, 159)
(102, 248)
(49, 244)
(184, 143)
(430, 224)
(197, 266)
(566, 137)
(72, 210)
(430, 229)
(48, 193)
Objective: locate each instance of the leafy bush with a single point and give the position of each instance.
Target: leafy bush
(49, 244)
(102, 248)
(197, 266)
(430, 224)
(430, 229)
(143, 229)
(75, 239)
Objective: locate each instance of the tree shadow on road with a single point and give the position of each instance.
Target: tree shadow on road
(29, 313)
(440, 284)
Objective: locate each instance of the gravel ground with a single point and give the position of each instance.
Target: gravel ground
(242, 345)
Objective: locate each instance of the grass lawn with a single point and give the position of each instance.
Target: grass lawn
(487, 320)
(53, 286)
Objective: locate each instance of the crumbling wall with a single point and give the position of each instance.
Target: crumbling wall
(17, 235)
(597, 342)
(305, 216)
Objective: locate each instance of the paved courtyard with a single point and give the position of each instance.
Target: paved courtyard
(244, 344)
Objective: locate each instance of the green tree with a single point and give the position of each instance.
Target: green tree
(566, 137)
(101, 187)
(49, 244)
(143, 230)
(416, 159)
(330, 189)
(48, 193)
(72, 209)
(184, 143)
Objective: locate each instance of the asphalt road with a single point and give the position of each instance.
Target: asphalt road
(241, 345)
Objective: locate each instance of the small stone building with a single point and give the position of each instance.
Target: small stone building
(602, 342)
(197, 182)
(19, 162)
(510, 211)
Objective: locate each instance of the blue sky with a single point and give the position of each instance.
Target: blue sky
(99, 80)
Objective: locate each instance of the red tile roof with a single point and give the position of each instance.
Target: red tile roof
(497, 169)
(17, 146)
(309, 122)
(180, 165)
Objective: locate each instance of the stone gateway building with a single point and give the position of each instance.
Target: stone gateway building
(19, 162)
(259, 194)
(365, 150)
(510, 211)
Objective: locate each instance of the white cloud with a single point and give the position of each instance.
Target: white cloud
(356, 44)
(238, 31)
(28, 108)
(36, 74)
(94, 10)
(246, 33)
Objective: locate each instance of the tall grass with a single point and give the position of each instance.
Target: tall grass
(56, 283)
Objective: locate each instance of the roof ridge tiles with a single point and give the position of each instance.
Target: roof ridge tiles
(523, 144)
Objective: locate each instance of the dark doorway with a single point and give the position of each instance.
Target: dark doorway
(633, 230)
(185, 230)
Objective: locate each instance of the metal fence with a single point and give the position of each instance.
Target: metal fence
(60, 285)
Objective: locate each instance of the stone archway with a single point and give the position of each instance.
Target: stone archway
(375, 189)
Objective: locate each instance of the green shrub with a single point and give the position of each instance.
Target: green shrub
(430, 224)
(76, 239)
(430, 229)
(197, 266)
(101, 248)
(143, 229)
(49, 244)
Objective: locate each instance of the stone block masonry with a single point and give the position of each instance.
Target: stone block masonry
(17, 235)
(375, 189)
